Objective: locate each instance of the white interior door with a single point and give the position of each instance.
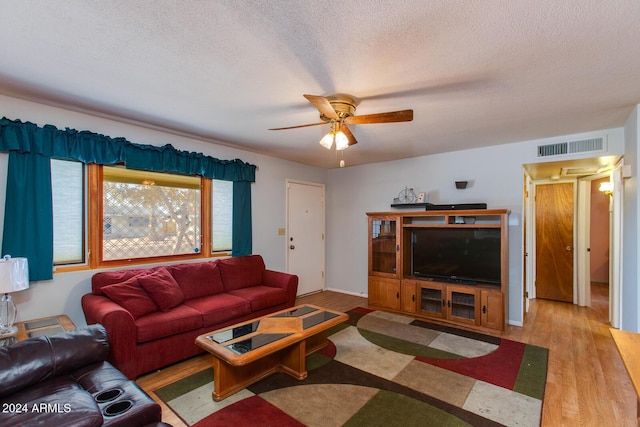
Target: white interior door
(305, 235)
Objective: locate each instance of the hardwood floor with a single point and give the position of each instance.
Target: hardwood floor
(587, 384)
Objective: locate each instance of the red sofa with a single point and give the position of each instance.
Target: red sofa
(153, 315)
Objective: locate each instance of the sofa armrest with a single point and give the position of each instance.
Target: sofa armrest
(121, 330)
(37, 359)
(286, 281)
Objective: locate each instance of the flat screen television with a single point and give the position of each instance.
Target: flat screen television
(464, 255)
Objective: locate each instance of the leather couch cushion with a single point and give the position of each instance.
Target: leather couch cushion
(82, 346)
(130, 295)
(23, 364)
(241, 272)
(162, 288)
(162, 324)
(36, 359)
(262, 296)
(219, 308)
(98, 377)
(197, 279)
(63, 403)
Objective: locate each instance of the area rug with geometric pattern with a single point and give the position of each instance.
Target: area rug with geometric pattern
(384, 369)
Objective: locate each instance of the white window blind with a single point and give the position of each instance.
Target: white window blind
(221, 215)
(67, 185)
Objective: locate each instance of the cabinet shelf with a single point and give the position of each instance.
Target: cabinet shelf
(476, 225)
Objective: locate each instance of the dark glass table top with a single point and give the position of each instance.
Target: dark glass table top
(310, 316)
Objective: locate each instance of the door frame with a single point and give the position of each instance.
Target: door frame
(615, 246)
(531, 282)
(288, 182)
(615, 239)
(584, 258)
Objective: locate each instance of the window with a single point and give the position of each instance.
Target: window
(221, 215)
(149, 214)
(67, 182)
(125, 215)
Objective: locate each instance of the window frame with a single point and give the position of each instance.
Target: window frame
(94, 228)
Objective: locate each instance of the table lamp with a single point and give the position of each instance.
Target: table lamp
(14, 276)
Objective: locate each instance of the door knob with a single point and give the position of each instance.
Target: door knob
(292, 247)
(567, 248)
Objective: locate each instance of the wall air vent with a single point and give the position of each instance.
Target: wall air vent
(570, 147)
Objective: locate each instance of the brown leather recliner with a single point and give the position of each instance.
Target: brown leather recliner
(64, 379)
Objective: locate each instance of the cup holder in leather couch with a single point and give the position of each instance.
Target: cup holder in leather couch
(108, 395)
(117, 408)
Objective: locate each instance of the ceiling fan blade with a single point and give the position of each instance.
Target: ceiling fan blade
(300, 126)
(323, 105)
(391, 117)
(348, 134)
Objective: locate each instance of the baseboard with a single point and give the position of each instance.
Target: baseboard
(361, 294)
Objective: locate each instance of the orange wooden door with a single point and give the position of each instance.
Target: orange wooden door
(554, 241)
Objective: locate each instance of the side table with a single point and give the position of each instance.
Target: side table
(37, 327)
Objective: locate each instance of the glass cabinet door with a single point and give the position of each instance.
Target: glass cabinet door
(432, 299)
(384, 246)
(462, 304)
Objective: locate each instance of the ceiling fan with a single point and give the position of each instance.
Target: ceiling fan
(338, 110)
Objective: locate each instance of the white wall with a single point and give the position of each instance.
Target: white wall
(495, 177)
(63, 293)
(630, 297)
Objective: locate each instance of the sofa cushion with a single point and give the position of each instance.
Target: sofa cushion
(79, 347)
(23, 364)
(219, 308)
(241, 272)
(130, 295)
(197, 279)
(166, 323)
(106, 278)
(62, 403)
(262, 296)
(98, 376)
(162, 288)
(27, 362)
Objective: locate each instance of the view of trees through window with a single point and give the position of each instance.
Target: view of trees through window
(149, 214)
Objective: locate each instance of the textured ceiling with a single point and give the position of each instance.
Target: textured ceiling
(475, 73)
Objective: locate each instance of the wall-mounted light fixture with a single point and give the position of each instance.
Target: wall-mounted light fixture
(606, 187)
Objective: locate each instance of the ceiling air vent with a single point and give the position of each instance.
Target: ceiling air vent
(580, 146)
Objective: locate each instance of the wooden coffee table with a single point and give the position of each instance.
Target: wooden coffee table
(278, 342)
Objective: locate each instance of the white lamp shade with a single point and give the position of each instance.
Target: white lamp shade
(14, 275)
(342, 141)
(327, 140)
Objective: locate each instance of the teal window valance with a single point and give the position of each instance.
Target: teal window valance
(89, 147)
(28, 223)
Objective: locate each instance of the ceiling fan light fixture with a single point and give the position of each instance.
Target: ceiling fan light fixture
(327, 140)
(342, 141)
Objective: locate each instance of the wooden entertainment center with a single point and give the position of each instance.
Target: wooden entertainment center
(394, 287)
